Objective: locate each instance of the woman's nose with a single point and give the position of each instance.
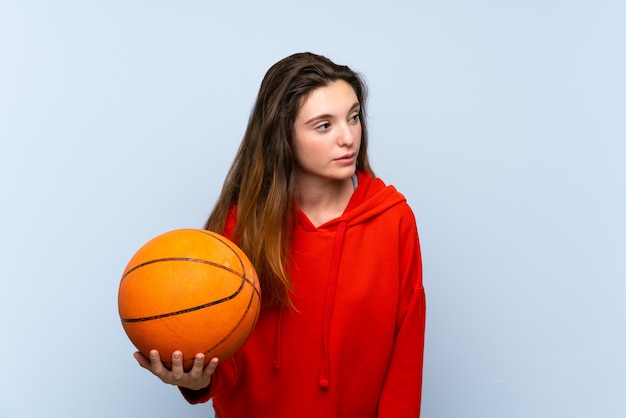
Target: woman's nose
(346, 135)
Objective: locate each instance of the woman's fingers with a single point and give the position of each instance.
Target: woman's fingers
(156, 365)
(198, 377)
(198, 366)
(210, 368)
(177, 366)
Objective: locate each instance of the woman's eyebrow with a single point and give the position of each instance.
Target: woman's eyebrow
(316, 118)
(329, 116)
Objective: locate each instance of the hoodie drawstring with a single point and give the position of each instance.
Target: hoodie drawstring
(329, 305)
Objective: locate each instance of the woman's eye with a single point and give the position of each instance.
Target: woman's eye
(323, 127)
(355, 118)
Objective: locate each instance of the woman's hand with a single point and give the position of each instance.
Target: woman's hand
(199, 377)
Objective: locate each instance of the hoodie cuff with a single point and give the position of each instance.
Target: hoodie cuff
(196, 396)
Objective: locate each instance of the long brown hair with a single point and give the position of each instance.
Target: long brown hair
(261, 180)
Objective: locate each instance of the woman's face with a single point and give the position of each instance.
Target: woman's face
(327, 132)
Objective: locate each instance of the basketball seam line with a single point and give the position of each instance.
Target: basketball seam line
(190, 259)
(195, 308)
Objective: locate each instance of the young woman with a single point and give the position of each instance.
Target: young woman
(341, 330)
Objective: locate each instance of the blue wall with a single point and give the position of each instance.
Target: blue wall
(502, 122)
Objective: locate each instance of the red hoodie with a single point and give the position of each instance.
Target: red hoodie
(354, 345)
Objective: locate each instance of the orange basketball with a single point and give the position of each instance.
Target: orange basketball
(190, 290)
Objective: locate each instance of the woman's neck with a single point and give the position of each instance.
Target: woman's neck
(322, 201)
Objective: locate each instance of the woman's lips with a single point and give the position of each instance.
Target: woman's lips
(346, 159)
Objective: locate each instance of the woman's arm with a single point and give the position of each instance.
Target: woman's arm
(402, 389)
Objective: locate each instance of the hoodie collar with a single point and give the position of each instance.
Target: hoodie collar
(371, 198)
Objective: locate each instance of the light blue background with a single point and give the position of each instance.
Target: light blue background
(503, 122)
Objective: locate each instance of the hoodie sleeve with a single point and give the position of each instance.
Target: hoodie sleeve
(402, 389)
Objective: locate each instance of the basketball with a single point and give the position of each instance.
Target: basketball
(190, 290)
